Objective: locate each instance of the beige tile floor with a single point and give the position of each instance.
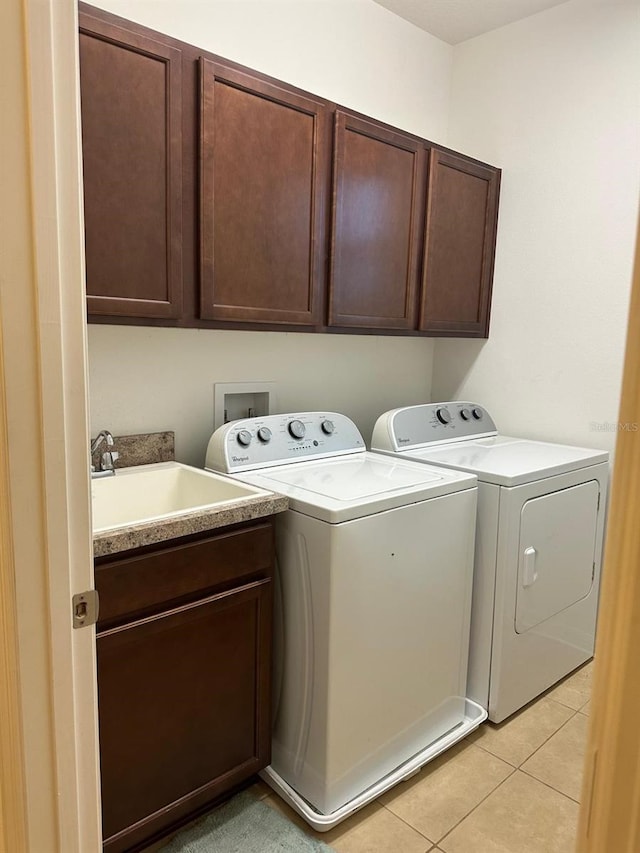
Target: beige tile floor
(508, 788)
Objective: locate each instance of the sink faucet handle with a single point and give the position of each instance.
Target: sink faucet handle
(103, 435)
(109, 458)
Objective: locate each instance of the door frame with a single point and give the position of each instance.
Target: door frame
(610, 810)
(49, 789)
(49, 786)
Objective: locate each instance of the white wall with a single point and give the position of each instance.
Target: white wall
(353, 52)
(554, 100)
(149, 379)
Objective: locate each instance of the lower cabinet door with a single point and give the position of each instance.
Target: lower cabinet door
(184, 710)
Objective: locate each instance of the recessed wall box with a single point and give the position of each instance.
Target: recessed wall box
(234, 400)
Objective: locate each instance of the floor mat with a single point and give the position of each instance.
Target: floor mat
(244, 825)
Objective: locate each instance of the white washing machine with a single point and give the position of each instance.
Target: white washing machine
(375, 567)
(539, 535)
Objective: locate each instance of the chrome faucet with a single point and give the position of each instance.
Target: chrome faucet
(108, 458)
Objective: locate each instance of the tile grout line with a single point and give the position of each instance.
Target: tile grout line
(568, 720)
(546, 784)
(549, 693)
(354, 828)
(515, 769)
(426, 837)
(493, 755)
(435, 843)
(531, 775)
(382, 805)
(570, 707)
(478, 804)
(518, 766)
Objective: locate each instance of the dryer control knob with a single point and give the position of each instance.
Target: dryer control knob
(264, 434)
(477, 414)
(297, 429)
(465, 414)
(244, 437)
(327, 427)
(443, 416)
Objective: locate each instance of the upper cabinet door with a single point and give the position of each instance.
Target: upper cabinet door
(132, 154)
(462, 215)
(264, 174)
(378, 204)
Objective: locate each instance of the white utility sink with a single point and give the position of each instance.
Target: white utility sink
(146, 493)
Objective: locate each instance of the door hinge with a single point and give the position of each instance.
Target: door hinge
(85, 606)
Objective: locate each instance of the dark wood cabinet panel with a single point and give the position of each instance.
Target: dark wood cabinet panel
(264, 160)
(460, 234)
(132, 161)
(378, 204)
(210, 190)
(178, 695)
(143, 583)
(184, 689)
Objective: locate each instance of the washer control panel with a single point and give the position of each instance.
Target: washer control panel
(252, 443)
(415, 426)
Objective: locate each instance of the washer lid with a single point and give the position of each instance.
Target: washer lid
(509, 461)
(350, 487)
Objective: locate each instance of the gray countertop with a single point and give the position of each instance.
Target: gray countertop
(154, 450)
(198, 521)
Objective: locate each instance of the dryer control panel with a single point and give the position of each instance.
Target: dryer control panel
(252, 443)
(416, 426)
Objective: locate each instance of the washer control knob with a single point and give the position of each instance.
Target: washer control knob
(477, 413)
(327, 427)
(443, 416)
(465, 414)
(244, 437)
(297, 429)
(264, 434)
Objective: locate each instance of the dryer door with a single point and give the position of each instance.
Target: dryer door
(557, 545)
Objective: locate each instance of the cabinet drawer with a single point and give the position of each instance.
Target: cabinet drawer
(148, 582)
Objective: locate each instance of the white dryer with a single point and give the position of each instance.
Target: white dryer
(541, 510)
(375, 566)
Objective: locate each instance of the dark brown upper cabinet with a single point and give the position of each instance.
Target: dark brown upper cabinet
(210, 190)
(459, 249)
(377, 214)
(264, 175)
(132, 153)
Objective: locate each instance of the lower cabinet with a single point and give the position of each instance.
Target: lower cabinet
(183, 679)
